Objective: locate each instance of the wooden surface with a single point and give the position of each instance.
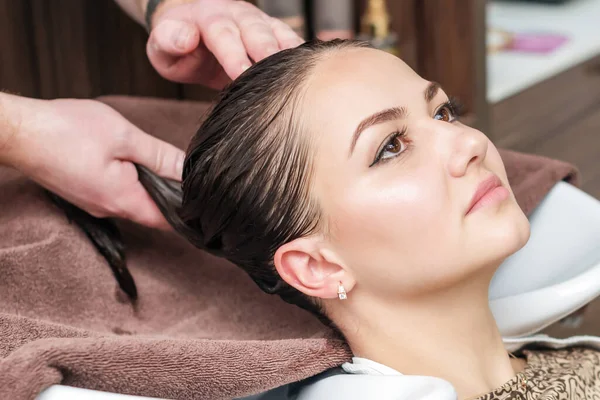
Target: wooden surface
(559, 118)
(521, 121)
(446, 46)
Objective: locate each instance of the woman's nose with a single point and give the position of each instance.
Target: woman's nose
(468, 150)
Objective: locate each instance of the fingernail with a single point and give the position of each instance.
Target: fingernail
(245, 67)
(183, 37)
(153, 46)
(271, 50)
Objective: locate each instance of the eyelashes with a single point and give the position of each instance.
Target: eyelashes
(397, 143)
(394, 144)
(457, 106)
(448, 111)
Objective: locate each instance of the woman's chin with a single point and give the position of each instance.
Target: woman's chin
(505, 236)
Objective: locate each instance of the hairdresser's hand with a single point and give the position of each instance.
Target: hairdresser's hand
(213, 41)
(82, 151)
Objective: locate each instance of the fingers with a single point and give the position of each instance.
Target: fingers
(174, 38)
(163, 158)
(200, 66)
(286, 37)
(262, 35)
(245, 33)
(172, 49)
(138, 206)
(257, 35)
(235, 32)
(222, 38)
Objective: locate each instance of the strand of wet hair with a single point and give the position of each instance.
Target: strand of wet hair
(104, 233)
(106, 238)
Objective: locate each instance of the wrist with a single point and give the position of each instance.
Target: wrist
(11, 119)
(17, 142)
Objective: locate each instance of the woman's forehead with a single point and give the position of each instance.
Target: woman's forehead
(350, 84)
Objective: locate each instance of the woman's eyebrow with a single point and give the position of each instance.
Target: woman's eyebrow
(379, 117)
(431, 91)
(390, 114)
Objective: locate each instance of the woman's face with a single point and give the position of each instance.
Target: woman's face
(396, 174)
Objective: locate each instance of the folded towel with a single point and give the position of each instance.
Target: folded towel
(531, 176)
(200, 328)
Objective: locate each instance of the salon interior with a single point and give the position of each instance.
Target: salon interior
(526, 73)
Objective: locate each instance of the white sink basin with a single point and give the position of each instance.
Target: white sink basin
(557, 272)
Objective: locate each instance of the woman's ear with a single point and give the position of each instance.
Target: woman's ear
(307, 265)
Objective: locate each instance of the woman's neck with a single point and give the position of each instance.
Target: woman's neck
(451, 335)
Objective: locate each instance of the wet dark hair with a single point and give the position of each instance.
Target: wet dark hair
(247, 172)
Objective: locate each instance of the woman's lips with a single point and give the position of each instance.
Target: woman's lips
(489, 192)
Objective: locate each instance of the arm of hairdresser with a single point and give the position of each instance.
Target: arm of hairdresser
(209, 42)
(83, 151)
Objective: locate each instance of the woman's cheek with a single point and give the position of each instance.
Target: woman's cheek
(397, 212)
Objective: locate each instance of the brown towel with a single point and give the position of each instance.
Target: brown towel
(201, 328)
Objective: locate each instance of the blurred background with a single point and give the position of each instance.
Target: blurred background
(526, 71)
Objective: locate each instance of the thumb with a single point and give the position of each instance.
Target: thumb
(138, 206)
(170, 39)
(162, 158)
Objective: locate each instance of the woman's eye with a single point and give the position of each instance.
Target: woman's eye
(445, 113)
(393, 147)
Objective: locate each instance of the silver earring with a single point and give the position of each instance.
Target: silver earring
(342, 292)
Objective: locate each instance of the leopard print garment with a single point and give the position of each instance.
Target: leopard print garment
(571, 374)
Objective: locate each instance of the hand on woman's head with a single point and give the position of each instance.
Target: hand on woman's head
(333, 162)
(213, 41)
